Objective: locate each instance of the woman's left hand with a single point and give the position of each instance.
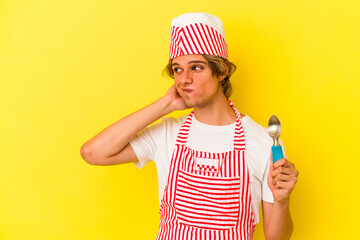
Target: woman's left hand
(281, 179)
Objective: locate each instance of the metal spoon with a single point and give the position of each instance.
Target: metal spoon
(274, 130)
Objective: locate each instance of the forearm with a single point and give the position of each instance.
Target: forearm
(279, 225)
(114, 138)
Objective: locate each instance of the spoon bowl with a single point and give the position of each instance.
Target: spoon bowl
(274, 127)
(274, 130)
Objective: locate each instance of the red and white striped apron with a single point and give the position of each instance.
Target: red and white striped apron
(207, 195)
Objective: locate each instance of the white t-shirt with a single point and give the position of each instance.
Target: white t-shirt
(157, 143)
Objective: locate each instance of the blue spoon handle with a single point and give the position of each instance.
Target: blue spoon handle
(276, 153)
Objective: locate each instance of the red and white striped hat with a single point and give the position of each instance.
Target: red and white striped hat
(197, 33)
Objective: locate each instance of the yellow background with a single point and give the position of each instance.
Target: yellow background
(68, 69)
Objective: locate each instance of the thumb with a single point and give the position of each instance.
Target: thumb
(270, 180)
(271, 164)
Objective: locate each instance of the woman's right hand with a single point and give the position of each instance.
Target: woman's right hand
(176, 101)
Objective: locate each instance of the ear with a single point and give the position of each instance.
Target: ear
(222, 77)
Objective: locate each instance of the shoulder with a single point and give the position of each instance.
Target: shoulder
(173, 121)
(167, 125)
(250, 125)
(256, 136)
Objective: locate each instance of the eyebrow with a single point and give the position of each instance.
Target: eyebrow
(196, 61)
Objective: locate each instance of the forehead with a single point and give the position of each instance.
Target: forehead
(188, 59)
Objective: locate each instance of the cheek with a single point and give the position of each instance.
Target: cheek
(176, 81)
(211, 84)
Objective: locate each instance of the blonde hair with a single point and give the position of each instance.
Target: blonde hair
(219, 66)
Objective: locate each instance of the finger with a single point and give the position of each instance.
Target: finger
(284, 162)
(284, 170)
(270, 179)
(285, 185)
(285, 178)
(279, 163)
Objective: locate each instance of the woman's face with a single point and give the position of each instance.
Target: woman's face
(194, 80)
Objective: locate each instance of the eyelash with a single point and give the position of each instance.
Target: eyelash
(193, 68)
(175, 70)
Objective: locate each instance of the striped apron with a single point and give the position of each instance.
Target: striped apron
(207, 195)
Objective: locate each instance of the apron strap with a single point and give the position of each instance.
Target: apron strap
(239, 137)
(184, 130)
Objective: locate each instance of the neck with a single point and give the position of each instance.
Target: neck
(217, 113)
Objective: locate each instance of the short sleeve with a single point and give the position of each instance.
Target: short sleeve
(143, 147)
(156, 142)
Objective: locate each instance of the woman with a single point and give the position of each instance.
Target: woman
(214, 165)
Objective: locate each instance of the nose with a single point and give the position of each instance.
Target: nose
(185, 78)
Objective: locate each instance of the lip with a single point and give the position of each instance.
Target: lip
(187, 90)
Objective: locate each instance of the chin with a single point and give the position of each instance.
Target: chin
(192, 104)
(189, 103)
(195, 102)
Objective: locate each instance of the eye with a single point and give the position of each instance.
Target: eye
(196, 68)
(177, 70)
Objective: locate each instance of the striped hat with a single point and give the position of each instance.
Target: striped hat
(197, 33)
